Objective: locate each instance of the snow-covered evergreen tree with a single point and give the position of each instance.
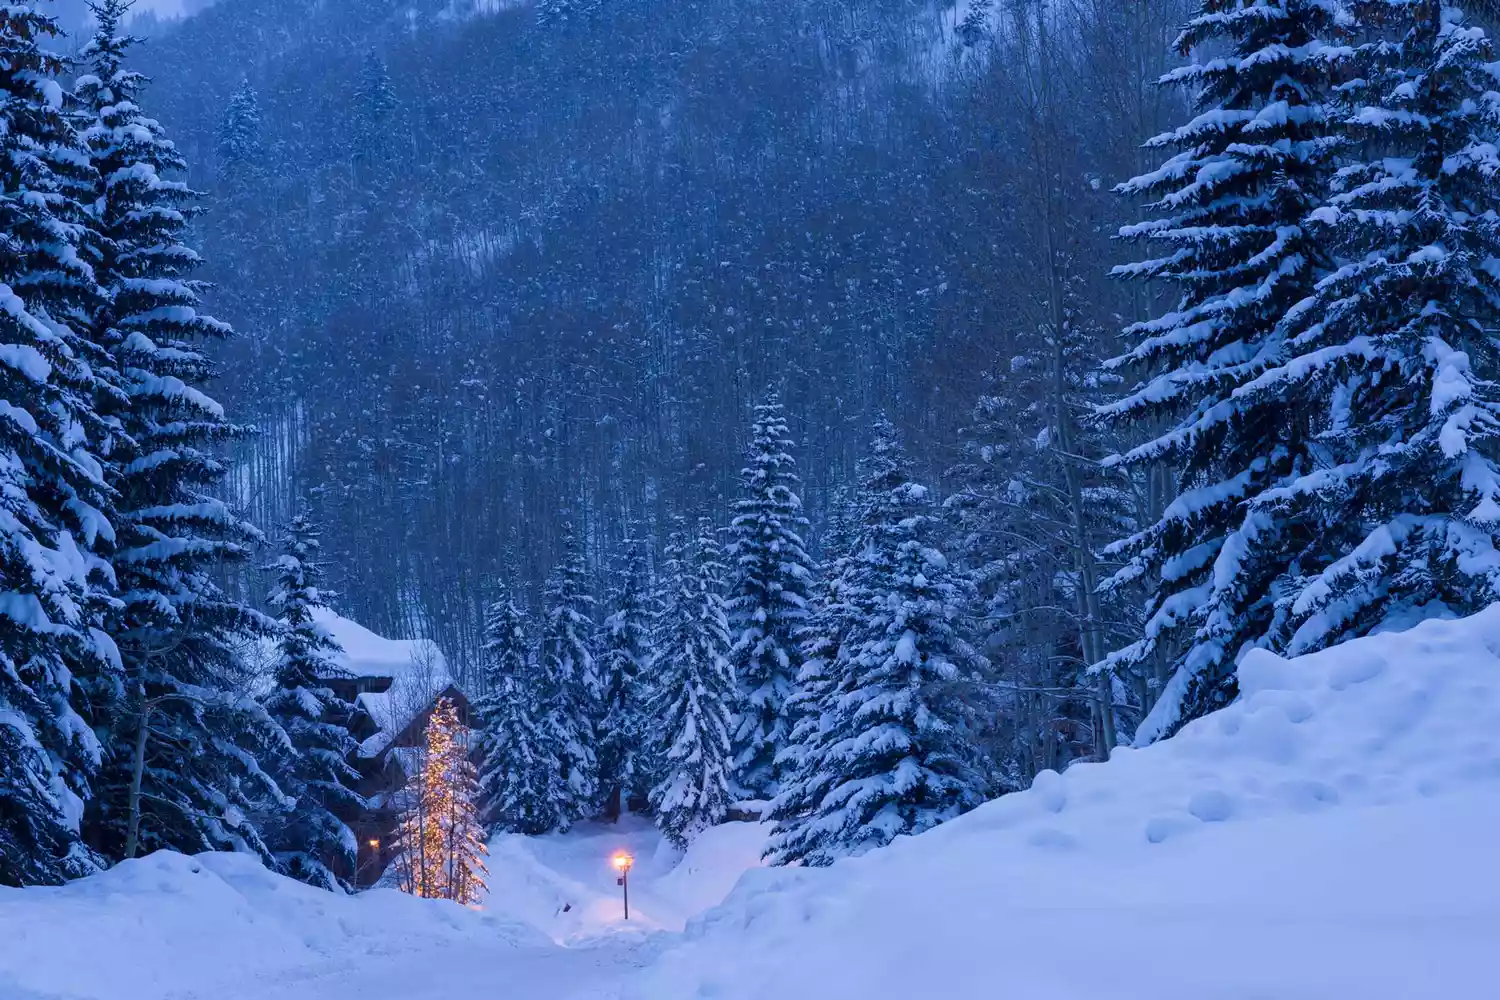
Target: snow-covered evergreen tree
(831, 617)
(569, 685)
(770, 576)
(188, 729)
(1233, 231)
(1395, 361)
(890, 756)
(59, 675)
(520, 777)
(313, 843)
(239, 141)
(692, 686)
(624, 647)
(374, 103)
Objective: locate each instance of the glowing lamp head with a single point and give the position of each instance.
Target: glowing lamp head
(623, 861)
(374, 843)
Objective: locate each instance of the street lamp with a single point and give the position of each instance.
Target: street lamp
(372, 859)
(622, 862)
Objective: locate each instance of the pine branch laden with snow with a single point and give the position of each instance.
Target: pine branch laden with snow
(520, 776)
(1235, 233)
(770, 577)
(60, 674)
(1394, 355)
(889, 755)
(569, 685)
(311, 843)
(692, 688)
(624, 644)
(201, 783)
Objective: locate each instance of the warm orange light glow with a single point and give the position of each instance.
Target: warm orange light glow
(374, 844)
(623, 861)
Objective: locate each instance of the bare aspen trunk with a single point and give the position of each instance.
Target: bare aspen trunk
(1087, 597)
(137, 772)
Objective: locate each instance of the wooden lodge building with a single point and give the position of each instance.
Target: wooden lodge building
(394, 685)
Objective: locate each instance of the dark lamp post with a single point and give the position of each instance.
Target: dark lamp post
(622, 862)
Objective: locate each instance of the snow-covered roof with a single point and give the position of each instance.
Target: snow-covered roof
(416, 667)
(366, 654)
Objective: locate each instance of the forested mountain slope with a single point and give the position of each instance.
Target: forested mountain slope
(492, 265)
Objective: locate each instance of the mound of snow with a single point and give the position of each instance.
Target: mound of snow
(1329, 834)
(216, 925)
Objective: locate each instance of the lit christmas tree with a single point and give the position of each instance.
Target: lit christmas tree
(442, 842)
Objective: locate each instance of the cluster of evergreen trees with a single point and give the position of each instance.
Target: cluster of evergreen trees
(832, 703)
(1299, 450)
(131, 715)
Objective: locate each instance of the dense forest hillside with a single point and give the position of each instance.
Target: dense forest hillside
(496, 270)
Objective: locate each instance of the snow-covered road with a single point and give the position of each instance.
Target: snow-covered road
(582, 972)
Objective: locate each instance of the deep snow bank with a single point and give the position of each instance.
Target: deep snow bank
(1330, 834)
(213, 925)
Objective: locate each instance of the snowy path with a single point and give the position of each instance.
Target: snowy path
(565, 885)
(530, 971)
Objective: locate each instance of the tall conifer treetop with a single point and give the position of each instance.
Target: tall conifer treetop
(770, 575)
(691, 692)
(889, 755)
(1234, 202)
(239, 144)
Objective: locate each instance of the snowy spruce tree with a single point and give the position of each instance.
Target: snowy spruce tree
(692, 686)
(890, 755)
(624, 647)
(831, 617)
(770, 575)
(186, 747)
(520, 776)
(1395, 361)
(59, 674)
(239, 139)
(1233, 236)
(313, 843)
(569, 685)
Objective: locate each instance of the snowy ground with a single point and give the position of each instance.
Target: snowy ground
(1330, 835)
(565, 885)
